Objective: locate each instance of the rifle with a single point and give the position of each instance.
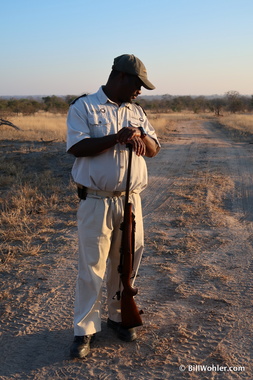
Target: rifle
(129, 311)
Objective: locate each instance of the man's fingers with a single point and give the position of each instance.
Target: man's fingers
(138, 146)
(127, 133)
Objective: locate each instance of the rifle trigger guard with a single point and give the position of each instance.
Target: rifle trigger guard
(117, 295)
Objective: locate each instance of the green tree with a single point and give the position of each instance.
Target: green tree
(55, 104)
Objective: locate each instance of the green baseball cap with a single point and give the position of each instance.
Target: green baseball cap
(128, 63)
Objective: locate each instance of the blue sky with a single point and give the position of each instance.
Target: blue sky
(189, 47)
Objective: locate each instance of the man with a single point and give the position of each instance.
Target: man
(99, 127)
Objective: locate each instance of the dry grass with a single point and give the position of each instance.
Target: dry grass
(241, 122)
(42, 126)
(46, 126)
(33, 214)
(37, 196)
(165, 123)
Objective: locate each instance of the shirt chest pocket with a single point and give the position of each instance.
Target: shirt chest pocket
(99, 125)
(137, 122)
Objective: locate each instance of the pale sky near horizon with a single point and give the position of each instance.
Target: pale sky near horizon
(189, 47)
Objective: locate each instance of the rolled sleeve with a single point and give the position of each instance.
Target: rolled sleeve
(77, 123)
(151, 132)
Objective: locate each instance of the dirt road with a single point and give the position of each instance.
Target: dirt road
(195, 283)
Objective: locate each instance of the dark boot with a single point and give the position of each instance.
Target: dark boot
(81, 346)
(128, 335)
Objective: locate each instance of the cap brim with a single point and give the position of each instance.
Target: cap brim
(146, 83)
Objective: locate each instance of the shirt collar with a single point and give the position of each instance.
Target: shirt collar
(103, 99)
(129, 106)
(101, 96)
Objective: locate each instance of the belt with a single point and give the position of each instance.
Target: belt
(84, 191)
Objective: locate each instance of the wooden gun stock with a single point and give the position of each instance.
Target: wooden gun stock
(129, 311)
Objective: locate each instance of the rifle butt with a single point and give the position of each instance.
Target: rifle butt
(129, 312)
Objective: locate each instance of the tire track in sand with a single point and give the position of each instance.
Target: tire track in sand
(202, 298)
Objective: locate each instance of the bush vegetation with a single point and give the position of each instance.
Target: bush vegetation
(231, 102)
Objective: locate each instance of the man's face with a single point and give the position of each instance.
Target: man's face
(130, 88)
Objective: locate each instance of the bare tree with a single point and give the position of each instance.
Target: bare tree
(234, 101)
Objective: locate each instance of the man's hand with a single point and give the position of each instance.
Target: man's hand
(138, 146)
(126, 134)
(142, 146)
(132, 135)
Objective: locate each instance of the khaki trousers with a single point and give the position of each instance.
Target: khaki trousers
(99, 236)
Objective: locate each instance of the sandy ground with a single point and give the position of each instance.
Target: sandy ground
(195, 281)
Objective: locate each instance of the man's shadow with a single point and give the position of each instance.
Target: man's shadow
(23, 354)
